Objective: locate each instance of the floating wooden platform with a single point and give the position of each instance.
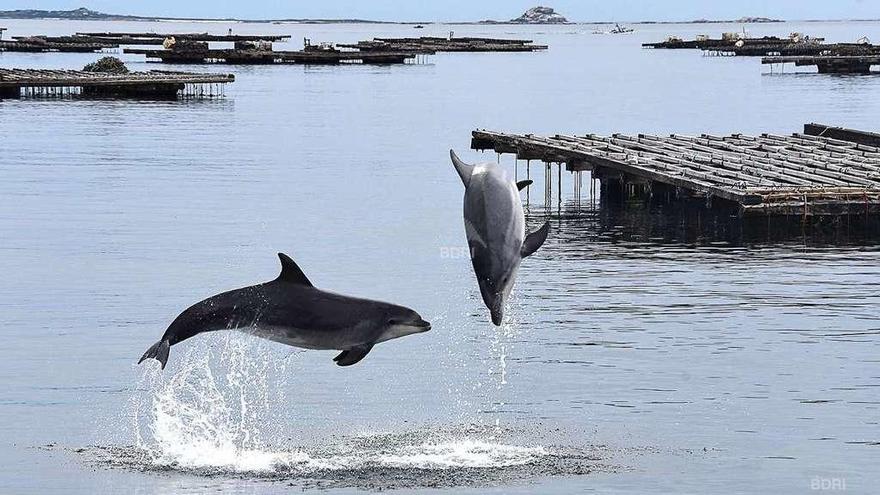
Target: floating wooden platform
(430, 44)
(130, 38)
(16, 83)
(830, 64)
(78, 39)
(769, 46)
(804, 174)
(796, 49)
(38, 45)
(94, 42)
(231, 56)
(715, 43)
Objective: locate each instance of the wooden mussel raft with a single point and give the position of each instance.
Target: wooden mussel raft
(378, 51)
(799, 49)
(824, 171)
(116, 42)
(261, 52)
(829, 64)
(137, 38)
(17, 83)
(39, 44)
(795, 45)
(95, 42)
(233, 56)
(429, 45)
(733, 42)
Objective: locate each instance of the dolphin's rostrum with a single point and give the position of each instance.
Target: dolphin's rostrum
(495, 228)
(290, 310)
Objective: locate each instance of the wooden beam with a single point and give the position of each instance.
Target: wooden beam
(843, 134)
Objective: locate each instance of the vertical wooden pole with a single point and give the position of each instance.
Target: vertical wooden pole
(528, 177)
(548, 183)
(559, 184)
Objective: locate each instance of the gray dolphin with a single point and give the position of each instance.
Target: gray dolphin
(494, 224)
(290, 310)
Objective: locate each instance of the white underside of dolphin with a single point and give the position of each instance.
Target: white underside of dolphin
(494, 225)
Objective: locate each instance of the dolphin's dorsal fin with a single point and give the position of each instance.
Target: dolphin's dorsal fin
(290, 272)
(523, 184)
(464, 170)
(535, 240)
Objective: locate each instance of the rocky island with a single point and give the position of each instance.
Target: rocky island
(540, 15)
(741, 20)
(79, 14)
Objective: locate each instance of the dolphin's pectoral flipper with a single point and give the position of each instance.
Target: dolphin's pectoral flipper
(353, 355)
(464, 170)
(535, 240)
(291, 272)
(523, 184)
(159, 352)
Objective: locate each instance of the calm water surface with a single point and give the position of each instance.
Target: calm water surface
(642, 354)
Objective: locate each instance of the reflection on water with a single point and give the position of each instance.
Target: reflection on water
(659, 225)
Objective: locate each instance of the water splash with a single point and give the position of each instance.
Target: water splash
(214, 410)
(380, 462)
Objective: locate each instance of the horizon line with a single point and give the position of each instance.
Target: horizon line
(160, 18)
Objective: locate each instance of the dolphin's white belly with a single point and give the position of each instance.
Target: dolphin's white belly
(304, 339)
(494, 218)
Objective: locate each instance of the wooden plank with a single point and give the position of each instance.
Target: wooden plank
(824, 164)
(732, 162)
(782, 161)
(796, 175)
(843, 134)
(687, 161)
(645, 169)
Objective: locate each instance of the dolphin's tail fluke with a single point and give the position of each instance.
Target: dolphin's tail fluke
(159, 352)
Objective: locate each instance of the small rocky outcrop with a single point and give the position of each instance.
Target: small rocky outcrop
(540, 15)
(756, 20)
(107, 65)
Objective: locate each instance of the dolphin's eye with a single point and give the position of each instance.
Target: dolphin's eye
(392, 321)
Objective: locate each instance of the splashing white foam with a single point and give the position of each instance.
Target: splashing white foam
(441, 456)
(210, 412)
(463, 454)
(213, 414)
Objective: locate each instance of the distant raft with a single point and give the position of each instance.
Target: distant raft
(18, 83)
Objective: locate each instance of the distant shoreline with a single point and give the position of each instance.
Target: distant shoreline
(416, 23)
(89, 15)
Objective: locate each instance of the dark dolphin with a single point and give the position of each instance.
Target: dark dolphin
(290, 310)
(495, 228)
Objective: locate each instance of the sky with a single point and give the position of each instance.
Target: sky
(471, 10)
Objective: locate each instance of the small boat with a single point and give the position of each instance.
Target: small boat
(618, 29)
(419, 26)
